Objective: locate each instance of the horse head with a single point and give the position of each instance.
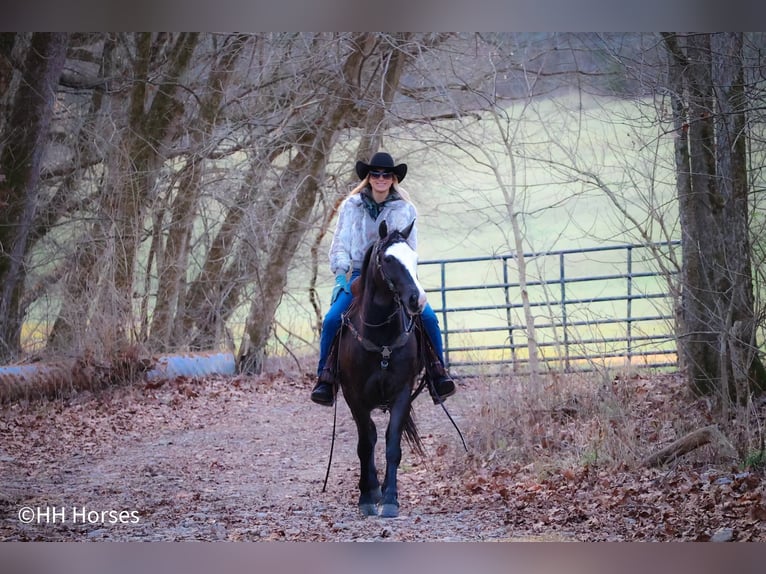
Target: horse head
(397, 263)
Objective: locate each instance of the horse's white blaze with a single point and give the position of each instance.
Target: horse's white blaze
(409, 259)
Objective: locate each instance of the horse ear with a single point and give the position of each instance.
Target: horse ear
(383, 229)
(408, 230)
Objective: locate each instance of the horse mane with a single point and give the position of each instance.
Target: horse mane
(357, 286)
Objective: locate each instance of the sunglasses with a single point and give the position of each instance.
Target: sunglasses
(383, 174)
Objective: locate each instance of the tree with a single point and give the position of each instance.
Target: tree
(97, 309)
(25, 133)
(171, 247)
(371, 64)
(182, 174)
(534, 147)
(717, 342)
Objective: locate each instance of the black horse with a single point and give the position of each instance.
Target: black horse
(378, 362)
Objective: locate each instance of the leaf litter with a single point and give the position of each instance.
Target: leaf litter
(244, 459)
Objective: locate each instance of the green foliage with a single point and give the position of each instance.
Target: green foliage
(755, 460)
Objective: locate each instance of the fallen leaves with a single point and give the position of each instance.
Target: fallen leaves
(244, 458)
(679, 504)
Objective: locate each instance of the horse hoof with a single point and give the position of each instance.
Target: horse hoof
(389, 510)
(368, 509)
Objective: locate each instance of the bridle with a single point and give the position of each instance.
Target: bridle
(384, 350)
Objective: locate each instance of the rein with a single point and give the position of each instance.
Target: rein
(386, 322)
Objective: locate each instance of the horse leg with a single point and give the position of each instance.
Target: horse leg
(400, 410)
(369, 487)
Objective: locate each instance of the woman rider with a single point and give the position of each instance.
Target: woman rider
(378, 197)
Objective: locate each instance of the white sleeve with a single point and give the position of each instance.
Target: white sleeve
(340, 248)
(412, 240)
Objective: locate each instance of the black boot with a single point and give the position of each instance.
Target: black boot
(324, 391)
(443, 386)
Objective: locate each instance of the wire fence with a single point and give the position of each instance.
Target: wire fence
(601, 307)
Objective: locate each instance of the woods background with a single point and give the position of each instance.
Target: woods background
(159, 188)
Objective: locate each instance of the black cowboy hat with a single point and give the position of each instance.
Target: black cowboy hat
(384, 161)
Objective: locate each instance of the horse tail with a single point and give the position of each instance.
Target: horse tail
(412, 436)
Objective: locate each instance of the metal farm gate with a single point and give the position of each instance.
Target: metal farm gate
(592, 308)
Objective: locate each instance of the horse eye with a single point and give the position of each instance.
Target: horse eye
(388, 258)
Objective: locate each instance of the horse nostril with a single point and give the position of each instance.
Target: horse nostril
(417, 302)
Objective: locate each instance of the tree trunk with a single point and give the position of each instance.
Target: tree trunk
(171, 271)
(21, 156)
(686, 444)
(289, 227)
(7, 42)
(717, 341)
(78, 272)
(100, 292)
(139, 161)
(746, 371)
(292, 222)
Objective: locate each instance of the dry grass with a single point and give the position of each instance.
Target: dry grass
(591, 420)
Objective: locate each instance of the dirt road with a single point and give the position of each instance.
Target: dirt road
(221, 459)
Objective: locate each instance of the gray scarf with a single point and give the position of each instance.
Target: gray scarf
(373, 207)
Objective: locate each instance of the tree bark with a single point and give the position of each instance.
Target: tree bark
(685, 445)
(20, 165)
(171, 289)
(718, 330)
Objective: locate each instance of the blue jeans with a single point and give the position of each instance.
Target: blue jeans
(334, 317)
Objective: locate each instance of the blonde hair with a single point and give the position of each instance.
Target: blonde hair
(398, 188)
